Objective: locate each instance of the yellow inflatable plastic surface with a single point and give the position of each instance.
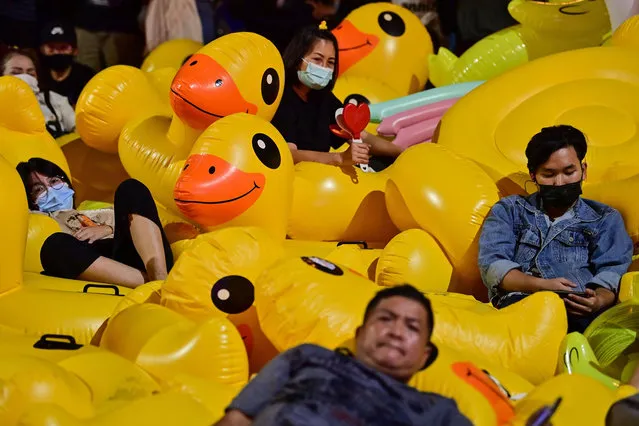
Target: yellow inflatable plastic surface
(216, 278)
(312, 300)
(170, 54)
(451, 210)
(96, 174)
(22, 128)
(386, 42)
(595, 90)
(163, 409)
(165, 344)
(339, 204)
(112, 380)
(40, 228)
(414, 256)
(584, 401)
(238, 173)
(26, 380)
(362, 261)
(627, 34)
(545, 28)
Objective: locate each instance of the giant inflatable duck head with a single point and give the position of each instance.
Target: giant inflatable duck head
(239, 173)
(386, 42)
(241, 72)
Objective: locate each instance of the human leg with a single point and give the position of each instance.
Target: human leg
(139, 239)
(64, 256)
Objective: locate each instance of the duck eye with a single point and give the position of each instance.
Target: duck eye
(218, 82)
(211, 170)
(356, 99)
(391, 23)
(233, 294)
(270, 86)
(266, 151)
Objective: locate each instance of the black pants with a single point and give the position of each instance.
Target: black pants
(64, 256)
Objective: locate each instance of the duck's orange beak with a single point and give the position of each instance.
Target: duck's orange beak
(353, 45)
(210, 191)
(203, 92)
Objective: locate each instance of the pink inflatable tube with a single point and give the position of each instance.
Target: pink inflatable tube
(392, 125)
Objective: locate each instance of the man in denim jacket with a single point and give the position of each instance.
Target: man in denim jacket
(554, 240)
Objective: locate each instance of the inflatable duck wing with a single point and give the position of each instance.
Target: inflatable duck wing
(385, 42)
(23, 134)
(545, 28)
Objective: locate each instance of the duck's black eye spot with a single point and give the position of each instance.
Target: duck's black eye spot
(211, 170)
(391, 23)
(218, 83)
(356, 99)
(266, 151)
(193, 63)
(233, 294)
(270, 86)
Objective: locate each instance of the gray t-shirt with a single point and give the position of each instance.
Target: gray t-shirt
(313, 386)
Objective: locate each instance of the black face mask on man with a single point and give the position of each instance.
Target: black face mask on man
(57, 62)
(560, 196)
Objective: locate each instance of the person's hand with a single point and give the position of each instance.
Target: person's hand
(93, 233)
(558, 284)
(357, 153)
(585, 306)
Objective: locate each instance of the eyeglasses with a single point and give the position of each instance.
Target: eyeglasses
(39, 188)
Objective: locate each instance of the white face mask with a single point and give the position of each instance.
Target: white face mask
(30, 80)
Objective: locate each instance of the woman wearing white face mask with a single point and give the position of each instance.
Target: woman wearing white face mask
(308, 106)
(124, 245)
(58, 112)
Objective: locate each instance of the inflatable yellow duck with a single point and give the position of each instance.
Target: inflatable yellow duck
(313, 300)
(385, 42)
(22, 128)
(170, 54)
(27, 309)
(592, 89)
(544, 28)
(241, 72)
(238, 173)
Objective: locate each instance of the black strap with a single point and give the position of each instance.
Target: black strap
(47, 100)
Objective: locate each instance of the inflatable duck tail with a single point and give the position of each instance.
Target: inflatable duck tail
(441, 67)
(111, 99)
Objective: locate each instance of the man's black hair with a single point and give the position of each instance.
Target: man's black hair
(552, 139)
(300, 46)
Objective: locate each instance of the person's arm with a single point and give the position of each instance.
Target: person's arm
(355, 154)
(257, 394)
(497, 250)
(380, 146)
(610, 259)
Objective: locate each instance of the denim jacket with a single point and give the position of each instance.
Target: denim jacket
(590, 247)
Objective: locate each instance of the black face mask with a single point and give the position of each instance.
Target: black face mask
(57, 62)
(560, 197)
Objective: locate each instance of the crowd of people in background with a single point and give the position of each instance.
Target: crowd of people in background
(57, 46)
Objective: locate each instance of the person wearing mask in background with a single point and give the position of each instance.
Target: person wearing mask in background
(58, 49)
(554, 240)
(58, 112)
(308, 104)
(109, 33)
